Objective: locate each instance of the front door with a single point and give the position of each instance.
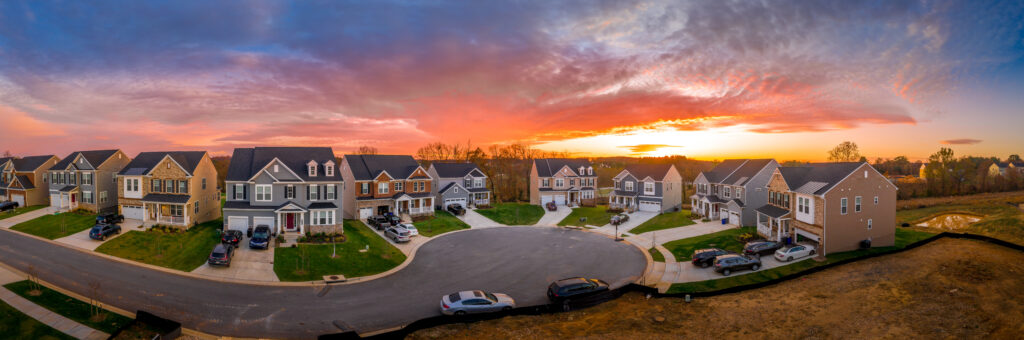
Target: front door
(290, 222)
(72, 198)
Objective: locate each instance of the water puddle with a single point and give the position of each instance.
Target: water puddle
(950, 221)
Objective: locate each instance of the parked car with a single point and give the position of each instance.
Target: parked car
(109, 218)
(475, 301)
(574, 288)
(232, 237)
(411, 228)
(378, 222)
(705, 257)
(551, 206)
(392, 219)
(397, 234)
(8, 205)
(260, 237)
(760, 248)
(727, 264)
(456, 209)
(620, 218)
(794, 252)
(221, 255)
(101, 231)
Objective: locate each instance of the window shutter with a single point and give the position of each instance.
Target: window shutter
(322, 192)
(245, 192)
(335, 191)
(307, 194)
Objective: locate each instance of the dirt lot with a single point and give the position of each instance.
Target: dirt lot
(947, 289)
(1014, 197)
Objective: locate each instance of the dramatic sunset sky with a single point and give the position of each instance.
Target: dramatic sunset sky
(706, 79)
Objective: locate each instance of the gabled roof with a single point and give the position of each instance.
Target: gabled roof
(4, 160)
(94, 157)
(368, 167)
(818, 176)
(772, 211)
(723, 170)
(24, 181)
(144, 162)
(745, 172)
(449, 186)
(247, 162)
(1001, 165)
(456, 170)
(655, 171)
(546, 167)
(31, 163)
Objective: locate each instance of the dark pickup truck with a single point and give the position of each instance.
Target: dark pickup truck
(109, 218)
(378, 222)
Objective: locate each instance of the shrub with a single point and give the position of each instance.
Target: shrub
(694, 216)
(747, 237)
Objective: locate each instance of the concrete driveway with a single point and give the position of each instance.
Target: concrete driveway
(247, 264)
(477, 221)
(406, 247)
(81, 239)
(635, 219)
(687, 272)
(31, 215)
(551, 218)
(668, 235)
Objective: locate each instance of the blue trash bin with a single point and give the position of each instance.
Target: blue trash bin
(725, 221)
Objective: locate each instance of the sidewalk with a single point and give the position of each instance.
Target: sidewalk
(12, 221)
(43, 315)
(551, 218)
(477, 221)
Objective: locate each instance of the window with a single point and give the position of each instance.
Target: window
(559, 182)
(87, 197)
(157, 185)
(113, 177)
(183, 187)
(842, 206)
(478, 182)
(364, 188)
(204, 183)
(869, 224)
(168, 165)
(590, 171)
(322, 217)
(629, 186)
(314, 192)
(312, 169)
(275, 168)
(399, 186)
(727, 191)
(74, 179)
(382, 187)
(264, 192)
(545, 182)
(169, 185)
(329, 170)
(456, 189)
(103, 197)
(856, 204)
(239, 191)
(196, 208)
(648, 188)
(739, 193)
(177, 210)
(289, 192)
(876, 200)
(785, 200)
(53, 177)
(329, 194)
(87, 178)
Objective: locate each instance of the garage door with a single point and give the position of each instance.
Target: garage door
(18, 198)
(132, 211)
(240, 223)
(459, 201)
(650, 206)
(734, 218)
(55, 200)
(267, 221)
(365, 213)
(545, 199)
(808, 235)
(560, 200)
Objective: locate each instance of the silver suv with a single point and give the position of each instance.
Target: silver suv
(397, 234)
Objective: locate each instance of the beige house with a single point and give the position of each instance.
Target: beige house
(24, 180)
(1001, 169)
(86, 180)
(383, 184)
(177, 188)
(838, 206)
(564, 181)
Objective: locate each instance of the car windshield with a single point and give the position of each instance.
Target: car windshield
(216, 254)
(491, 297)
(260, 234)
(455, 297)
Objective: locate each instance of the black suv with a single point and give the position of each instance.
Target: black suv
(101, 231)
(378, 222)
(551, 206)
(705, 257)
(109, 218)
(9, 205)
(221, 255)
(760, 248)
(260, 238)
(232, 237)
(456, 209)
(727, 264)
(574, 288)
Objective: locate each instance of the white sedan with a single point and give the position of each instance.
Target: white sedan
(794, 252)
(411, 228)
(475, 301)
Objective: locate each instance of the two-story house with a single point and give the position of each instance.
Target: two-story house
(175, 188)
(87, 180)
(836, 205)
(1001, 168)
(648, 187)
(563, 181)
(5, 162)
(380, 184)
(24, 180)
(289, 189)
(459, 183)
(732, 190)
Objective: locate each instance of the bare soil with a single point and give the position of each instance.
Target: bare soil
(949, 289)
(1012, 197)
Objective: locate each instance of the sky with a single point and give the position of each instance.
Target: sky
(705, 79)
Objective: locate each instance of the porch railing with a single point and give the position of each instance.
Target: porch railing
(171, 219)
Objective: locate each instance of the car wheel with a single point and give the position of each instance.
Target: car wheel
(460, 313)
(811, 253)
(705, 265)
(755, 267)
(726, 272)
(506, 308)
(789, 259)
(103, 238)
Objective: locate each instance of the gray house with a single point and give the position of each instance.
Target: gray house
(289, 189)
(87, 180)
(733, 189)
(459, 183)
(648, 187)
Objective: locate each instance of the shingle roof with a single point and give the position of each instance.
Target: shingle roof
(246, 206)
(1000, 164)
(166, 198)
(246, 162)
(68, 188)
(322, 205)
(446, 187)
(26, 183)
(94, 157)
(723, 170)
(368, 167)
(772, 211)
(655, 171)
(454, 170)
(549, 166)
(30, 163)
(5, 160)
(746, 171)
(147, 160)
(828, 173)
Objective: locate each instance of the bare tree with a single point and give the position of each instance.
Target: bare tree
(7, 153)
(95, 306)
(366, 150)
(845, 152)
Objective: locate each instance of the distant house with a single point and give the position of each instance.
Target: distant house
(173, 188)
(732, 190)
(379, 184)
(289, 189)
(648, 187)
(459, 183)
(1001, 168)
(87, 180)
(836, 205)
(923, 171)
(564, 181)
(23, 180)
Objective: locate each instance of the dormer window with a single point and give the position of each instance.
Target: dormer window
(329, 170)
(311, 166)
(581, 171)
(590, 171)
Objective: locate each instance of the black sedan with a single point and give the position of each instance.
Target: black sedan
(574, 288)
(705, 257)
(101, 231)
(9, 205)
(109, 218)
(759, 248)
(260, 238)
(232, 237)
(456, 209)
(727, 264)
(221, 255)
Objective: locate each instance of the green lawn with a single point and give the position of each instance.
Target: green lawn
(656, 255)
(903, 238)
(441, 223)
(664, 221)
(311, 262)
(19, 211)
(513, 213)
(57, 226)
(69, 307)
(598, 216)
(1001, 221)
(16, 325)
(185, 251)
(726, 239)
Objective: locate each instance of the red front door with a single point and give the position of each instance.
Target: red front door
(291, 221)
(72, 198)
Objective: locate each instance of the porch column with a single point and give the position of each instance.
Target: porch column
(302, 223)
(184, 216)
(278, 222)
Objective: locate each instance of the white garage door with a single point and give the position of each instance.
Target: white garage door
(545, 199)
(267, 221)
(734, 218)
(459, 201)
(132, 211)
(240, 223)
(18, 198)
(560, 200)
(55, 200)
(365, 213)
(650, 206)
(808, 235)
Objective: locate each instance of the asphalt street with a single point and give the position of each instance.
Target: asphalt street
(519, 261)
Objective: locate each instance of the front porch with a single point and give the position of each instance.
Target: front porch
(773, 223)
(480, 198)
(67, 198)
(414, 206)
(290, 218)
(622, 202)
(166, 214)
